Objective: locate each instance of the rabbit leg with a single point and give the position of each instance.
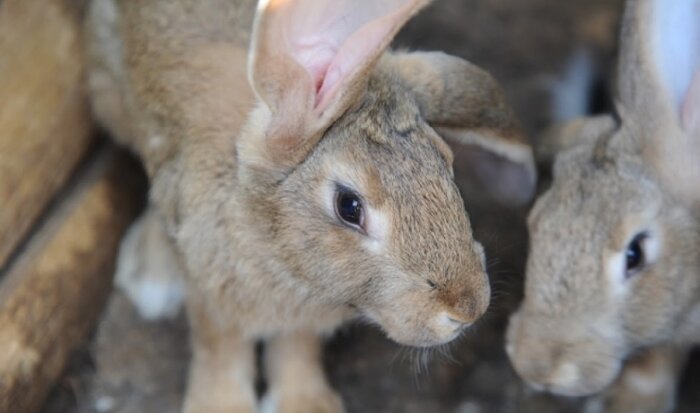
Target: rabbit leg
(148, 270)
(295, 374)
(647, 383)
(222, 370)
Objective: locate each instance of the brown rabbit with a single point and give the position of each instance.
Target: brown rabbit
(614, 266)
(305, 188)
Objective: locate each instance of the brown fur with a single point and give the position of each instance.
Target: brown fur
(244, 179)
(581, 316)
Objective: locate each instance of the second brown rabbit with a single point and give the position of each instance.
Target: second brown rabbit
(613, 278)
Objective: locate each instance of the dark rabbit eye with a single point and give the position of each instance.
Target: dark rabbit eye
(348, 207)
(634, 255)
(431, 284)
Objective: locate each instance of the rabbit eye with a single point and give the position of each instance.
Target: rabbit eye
(431, 284)
(634, 255)
(348, 207)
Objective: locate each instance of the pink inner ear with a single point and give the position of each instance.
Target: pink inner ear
(358, 49)
(691, 106)
(316, 58)
(334, 40)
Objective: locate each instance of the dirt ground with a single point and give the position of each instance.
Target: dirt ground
(132, 366)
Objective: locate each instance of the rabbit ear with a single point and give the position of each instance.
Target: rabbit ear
(659, 70)
(569, 134)
(310, 59)
(467, 108)
(659, 88)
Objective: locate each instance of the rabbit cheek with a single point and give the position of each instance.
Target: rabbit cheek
(652, 308)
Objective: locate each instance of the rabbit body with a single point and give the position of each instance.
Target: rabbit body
(302, 175)
(615, 242)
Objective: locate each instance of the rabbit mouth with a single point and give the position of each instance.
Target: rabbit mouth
(574, 379)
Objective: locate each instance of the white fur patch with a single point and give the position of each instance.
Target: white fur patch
(156, 297)
(377, 230)
(566, 375)
(652, 246)
(676, 44)
(615, 270)
(149, 275)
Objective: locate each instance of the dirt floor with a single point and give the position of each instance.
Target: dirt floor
(132, 366)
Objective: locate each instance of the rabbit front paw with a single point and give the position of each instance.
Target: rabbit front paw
(148, 269)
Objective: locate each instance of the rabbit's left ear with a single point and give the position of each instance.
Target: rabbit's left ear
(659, 71)
(310, 59)
(659, 87)
(467, 108)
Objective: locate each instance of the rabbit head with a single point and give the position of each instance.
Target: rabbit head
(346, 172)
(615, 242)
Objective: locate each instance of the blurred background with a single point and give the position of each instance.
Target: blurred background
(553, 59)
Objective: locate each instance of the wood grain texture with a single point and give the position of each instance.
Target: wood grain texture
(54, 293)
(44, 122)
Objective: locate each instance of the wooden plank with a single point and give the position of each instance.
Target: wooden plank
(53, 294)
(44, 120)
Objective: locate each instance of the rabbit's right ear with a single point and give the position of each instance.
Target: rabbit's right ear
(659, 83)
(563, 136)
(467, 107)
(310, 60)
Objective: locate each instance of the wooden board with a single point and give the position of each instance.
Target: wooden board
(45, 129)
(52, 296)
